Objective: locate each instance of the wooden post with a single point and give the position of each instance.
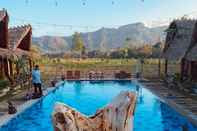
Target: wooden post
(159, 68)
(30, 65)
(10, 68)
(142, 67)
(117, 116)
(182, 69)
(1, 65)
(6, 69)
(166, 67)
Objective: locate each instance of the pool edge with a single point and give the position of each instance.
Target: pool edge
(178, 108)
(21, 108)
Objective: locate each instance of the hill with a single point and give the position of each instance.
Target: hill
(104, 39)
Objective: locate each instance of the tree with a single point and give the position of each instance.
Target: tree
(78, 44)
(132, 52)
(119, 53)
(36, 53)
(124, 53)
(157, 49)
(145, 50)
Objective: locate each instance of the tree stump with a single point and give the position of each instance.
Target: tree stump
(117, 116)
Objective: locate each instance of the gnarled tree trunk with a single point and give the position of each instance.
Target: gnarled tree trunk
(117, 116)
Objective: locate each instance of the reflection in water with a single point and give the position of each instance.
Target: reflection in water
(140, 100)
(172, 120)
(78, 87)
(140, 97)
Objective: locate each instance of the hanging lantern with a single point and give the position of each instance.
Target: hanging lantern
(56, 3)
(26, 2)
(84, 2)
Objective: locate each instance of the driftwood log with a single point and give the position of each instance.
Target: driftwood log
(117, 116)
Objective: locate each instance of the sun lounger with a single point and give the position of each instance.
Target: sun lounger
(69, 75)
(122, 75)
(77, 75)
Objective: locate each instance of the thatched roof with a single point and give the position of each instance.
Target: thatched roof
(16, 35)
(5, 53)
(178, 39)
(20, 52)
(191, 54)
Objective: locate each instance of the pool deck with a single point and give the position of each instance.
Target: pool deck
(184, 104)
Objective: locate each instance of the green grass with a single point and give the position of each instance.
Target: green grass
(150, 67)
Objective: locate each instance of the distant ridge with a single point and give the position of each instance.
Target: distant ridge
(105, 38)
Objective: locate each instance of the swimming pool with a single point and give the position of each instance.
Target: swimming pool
(87, 97)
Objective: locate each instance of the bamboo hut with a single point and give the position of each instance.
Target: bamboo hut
(20, 43)
(178, 40)
(13, 42)
(191, 56)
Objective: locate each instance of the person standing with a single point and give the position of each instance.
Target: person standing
(36, 79)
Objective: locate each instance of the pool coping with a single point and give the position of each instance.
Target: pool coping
(177, 107)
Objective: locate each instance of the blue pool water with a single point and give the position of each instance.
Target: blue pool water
(87, 97)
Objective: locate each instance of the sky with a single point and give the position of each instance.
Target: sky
(64, 17)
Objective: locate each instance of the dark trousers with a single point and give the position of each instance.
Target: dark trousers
(38, 88)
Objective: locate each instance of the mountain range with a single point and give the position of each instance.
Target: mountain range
(104, 39)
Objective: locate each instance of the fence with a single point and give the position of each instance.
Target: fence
(150, 69)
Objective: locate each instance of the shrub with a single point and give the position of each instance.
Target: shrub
(3, 84)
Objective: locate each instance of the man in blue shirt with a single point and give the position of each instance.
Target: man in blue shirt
(36, 79)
